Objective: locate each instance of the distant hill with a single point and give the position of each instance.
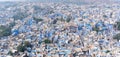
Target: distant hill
(77, 1)
(74, 0)
(61, 1)
(69, 1)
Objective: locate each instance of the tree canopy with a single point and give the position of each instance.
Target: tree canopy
(5, 31)
(117, 36)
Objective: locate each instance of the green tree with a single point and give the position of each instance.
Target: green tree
(37, 19)
(105, 16)
(10, 53)
(62, 19)
(27, 44)
(12, 24)
(5, 31)
(117, 36)
(95, 29)
(47, 41)
(107, 51)
(118, 25)
(54, 21)
(69, 18)
(21, 48)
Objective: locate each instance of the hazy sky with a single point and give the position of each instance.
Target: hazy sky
(12, 0)
(38, 0)
(63, 0)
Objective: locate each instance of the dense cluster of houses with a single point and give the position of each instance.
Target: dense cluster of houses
(69, 30)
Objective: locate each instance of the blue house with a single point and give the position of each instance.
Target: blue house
(29, 22)
(15, 32)
(80, 26)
